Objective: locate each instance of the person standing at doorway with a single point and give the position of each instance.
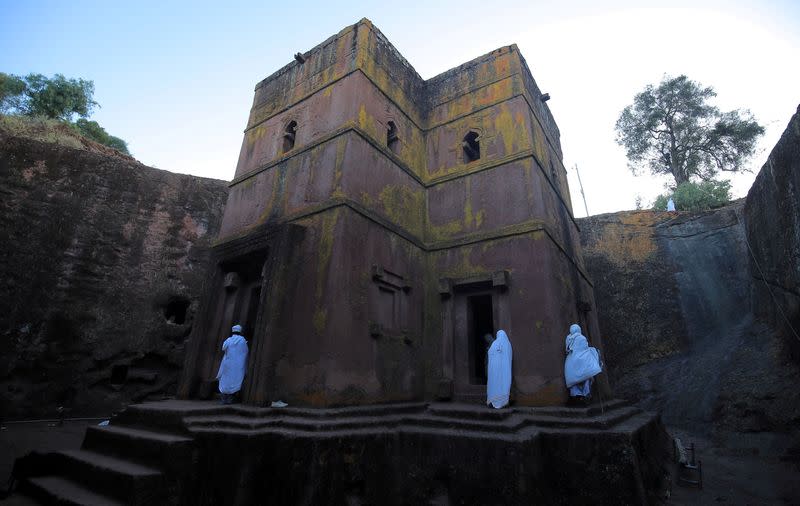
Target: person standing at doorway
(234, 362)
(498, 384)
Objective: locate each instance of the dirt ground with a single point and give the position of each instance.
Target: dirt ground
(740, 472)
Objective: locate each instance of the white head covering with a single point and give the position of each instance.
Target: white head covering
(236, 328)
(498, 383)
(574, 332)
(582, 362)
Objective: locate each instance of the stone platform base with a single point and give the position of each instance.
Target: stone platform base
(190, 452)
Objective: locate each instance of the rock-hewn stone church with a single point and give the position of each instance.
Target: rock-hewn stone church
(380, 225)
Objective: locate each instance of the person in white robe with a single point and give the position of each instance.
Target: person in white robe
(498, 382)
(233, 365)
(581, 365)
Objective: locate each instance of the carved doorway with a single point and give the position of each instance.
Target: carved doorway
(474, 319)
(472, 308)
(239, 300)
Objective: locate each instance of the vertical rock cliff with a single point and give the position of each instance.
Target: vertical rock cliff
(102, 261)
(698, 310)
(772, 213)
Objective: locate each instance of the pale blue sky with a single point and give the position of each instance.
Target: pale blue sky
(175, 79)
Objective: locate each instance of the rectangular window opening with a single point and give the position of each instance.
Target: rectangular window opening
(472, 147)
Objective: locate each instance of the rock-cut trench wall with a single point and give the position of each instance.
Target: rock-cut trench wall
(102, 263)
(689, 325)
(772, 213)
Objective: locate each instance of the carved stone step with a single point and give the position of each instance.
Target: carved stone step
(471, 419)
(60, 490)
(161, 450)
(121, 479)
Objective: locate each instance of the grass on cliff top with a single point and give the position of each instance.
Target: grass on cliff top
(51, 131)
(40, 129)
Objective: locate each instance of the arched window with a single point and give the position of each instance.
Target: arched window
(392, 140)
(472, 148)
(288, 136)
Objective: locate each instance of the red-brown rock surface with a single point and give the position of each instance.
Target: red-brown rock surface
(772, 215)
(690, 327)
(102, 261)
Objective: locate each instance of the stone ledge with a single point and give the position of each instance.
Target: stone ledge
(395, 454)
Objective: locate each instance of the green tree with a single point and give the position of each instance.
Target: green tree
(56, 98)
(51, 97)
(59, 97)
(672, 129)
(12, 92)
(94, 131)
(691, 196)
(118, 144)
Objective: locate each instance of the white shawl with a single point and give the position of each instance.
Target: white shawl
(232, 369)
(498, 384)
(582, 362)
